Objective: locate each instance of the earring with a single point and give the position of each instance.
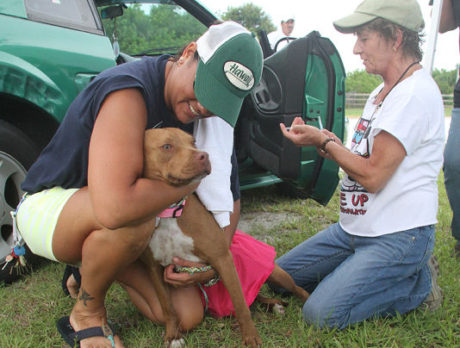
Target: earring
(181, 60)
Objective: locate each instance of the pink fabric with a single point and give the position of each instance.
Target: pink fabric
(254, 262)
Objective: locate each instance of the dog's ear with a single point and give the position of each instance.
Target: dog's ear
(151, 140)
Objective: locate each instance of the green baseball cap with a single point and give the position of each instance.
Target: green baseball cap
(230, 67)
(405, 13)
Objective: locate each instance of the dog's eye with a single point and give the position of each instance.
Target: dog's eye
(167, 146)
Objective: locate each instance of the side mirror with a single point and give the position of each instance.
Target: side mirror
(112, 12)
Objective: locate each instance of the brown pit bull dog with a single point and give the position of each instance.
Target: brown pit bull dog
(170, 155)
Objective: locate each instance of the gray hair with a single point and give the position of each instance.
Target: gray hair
(411, 42)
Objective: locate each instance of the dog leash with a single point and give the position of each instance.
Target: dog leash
(192, 270)
(213, 281)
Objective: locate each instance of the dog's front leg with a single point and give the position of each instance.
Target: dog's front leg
(227, 271)
(173, 336)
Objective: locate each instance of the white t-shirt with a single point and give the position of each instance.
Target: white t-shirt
(274, 37)
(413, 113)
(215, 136)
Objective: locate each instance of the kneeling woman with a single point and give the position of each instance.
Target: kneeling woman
(376, 260)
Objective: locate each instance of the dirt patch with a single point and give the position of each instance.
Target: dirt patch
(257, 224)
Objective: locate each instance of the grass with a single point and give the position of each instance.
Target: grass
(31, 306)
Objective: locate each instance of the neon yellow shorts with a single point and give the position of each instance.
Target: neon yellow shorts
(37, 218)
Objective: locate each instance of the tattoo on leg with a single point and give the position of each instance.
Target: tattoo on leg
(85, 297)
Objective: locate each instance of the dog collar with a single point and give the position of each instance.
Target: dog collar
(174, 210)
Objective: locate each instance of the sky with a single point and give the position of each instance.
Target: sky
(318, 15)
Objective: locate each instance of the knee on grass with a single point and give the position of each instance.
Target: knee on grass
(323, 316)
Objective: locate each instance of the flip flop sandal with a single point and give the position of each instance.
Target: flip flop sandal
(68, 271)
(73, 338)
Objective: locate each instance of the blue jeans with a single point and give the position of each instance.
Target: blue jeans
(352, 278)
(452, 171)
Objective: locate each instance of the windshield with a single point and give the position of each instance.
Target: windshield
(153, 29)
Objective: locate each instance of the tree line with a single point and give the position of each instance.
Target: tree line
(168, 29)
(359, 81)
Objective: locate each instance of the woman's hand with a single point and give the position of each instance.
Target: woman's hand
(329, 134)
(183, 279)
(303, 135)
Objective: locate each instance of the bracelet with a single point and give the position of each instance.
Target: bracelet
(213, 281)
(322, 148)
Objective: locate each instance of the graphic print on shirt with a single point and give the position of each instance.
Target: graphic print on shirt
(359, 131)
(354, 198)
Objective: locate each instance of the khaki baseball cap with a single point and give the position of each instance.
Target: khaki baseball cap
(405, 13)
(230, 67)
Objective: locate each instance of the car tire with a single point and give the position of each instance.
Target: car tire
(17, 153)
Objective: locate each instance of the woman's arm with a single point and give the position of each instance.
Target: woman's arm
(447, 19)
(372, 172)
(118, 192)
(375, 171)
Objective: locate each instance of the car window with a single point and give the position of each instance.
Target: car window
(74, 14)
(146, 29)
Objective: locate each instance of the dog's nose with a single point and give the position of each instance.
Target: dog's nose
(203, 158)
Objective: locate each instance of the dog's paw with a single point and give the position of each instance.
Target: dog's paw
(279, 309)
(177, 343)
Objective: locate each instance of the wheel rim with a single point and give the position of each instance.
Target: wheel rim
(12, 174)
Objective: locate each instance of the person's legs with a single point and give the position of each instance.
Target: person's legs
(316, 257)
(452, 173)
(103, 253)
(384, 275)
(187, 302)
(136, 281)
(70, 283)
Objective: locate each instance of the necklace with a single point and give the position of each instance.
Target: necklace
(379, 105)
(398, 81)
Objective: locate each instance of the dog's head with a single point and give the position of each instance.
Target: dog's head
(170, 155)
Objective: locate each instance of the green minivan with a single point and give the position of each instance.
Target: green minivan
(51, 49)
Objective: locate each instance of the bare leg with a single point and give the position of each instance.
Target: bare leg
(72, 286)
(186, 301)
(103, 253)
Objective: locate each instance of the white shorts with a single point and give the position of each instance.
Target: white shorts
(37, 217)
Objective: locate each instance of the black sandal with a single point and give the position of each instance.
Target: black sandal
(70, 270)
(73, 338)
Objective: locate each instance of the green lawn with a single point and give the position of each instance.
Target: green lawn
(31, 306)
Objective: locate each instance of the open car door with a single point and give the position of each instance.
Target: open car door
(306, 78)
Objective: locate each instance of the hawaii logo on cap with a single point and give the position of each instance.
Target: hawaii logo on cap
(239, 75)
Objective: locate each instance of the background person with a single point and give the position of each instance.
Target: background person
(375, 260)
(284, 31)
(87, 202)
(450, 20)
